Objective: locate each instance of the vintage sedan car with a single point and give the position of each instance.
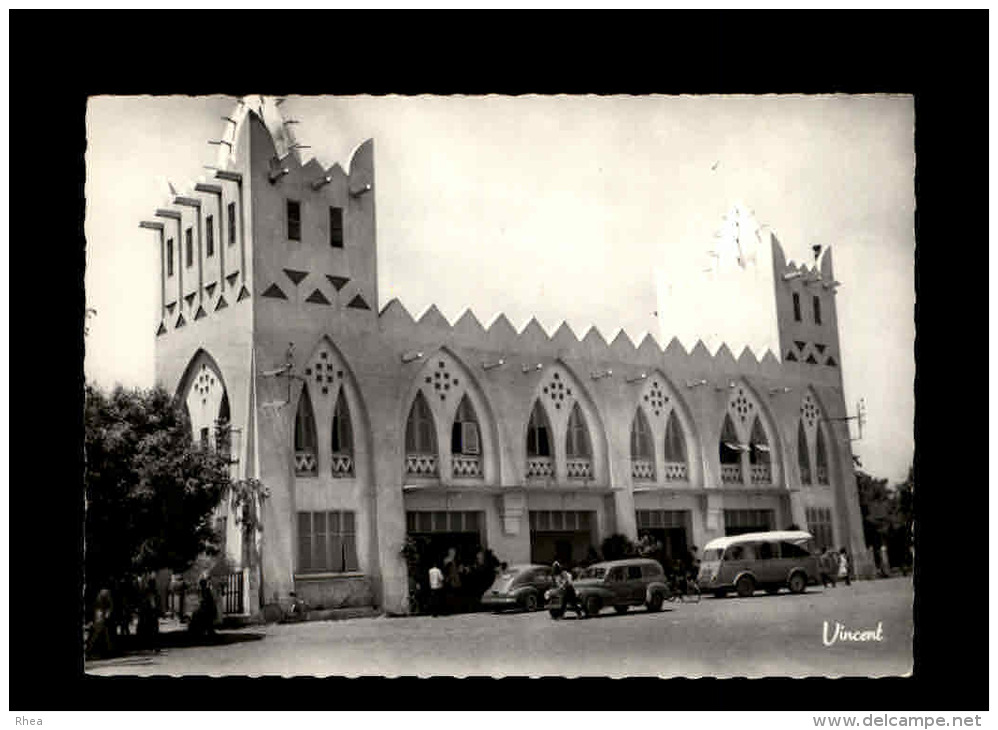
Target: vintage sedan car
(617, 583)
(519, 586)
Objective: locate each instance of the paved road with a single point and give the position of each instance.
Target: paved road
(759, 636)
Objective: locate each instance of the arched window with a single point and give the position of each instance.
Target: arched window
(420, 440)
(641, 446)
(465, 443)
(420, 435)
(803, 460)
(730, 448)
(642, 453)
(821, 457)
(464, 433)
(306, 463)
(675, 443)
(342, 438)
(223, 436)
(577, 436)
(538, 433)
(758, 446)
(759, 455)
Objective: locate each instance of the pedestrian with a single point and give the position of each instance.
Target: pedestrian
(203, 620)
(101, 641)
(436, 589)
(149, 612)
(827, 567)
(563, 580)
(844, 566)
(885, 565)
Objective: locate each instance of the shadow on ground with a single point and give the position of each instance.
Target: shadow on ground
(130, 646)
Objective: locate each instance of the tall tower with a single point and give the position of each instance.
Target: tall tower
(258, 261)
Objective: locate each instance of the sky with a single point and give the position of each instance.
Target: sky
(566, 208)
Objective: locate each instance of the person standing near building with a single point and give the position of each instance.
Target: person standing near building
(827, 567)
(844, 566)
(436, 589)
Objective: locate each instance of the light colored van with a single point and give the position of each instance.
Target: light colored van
(766, 560)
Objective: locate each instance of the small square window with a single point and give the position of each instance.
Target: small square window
(336, 227)
(294, 220)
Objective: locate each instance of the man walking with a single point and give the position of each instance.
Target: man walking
(844, 566)
(436, 589)
(827, 567)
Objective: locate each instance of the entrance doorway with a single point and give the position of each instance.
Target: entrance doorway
(740, 521)
(455, 543)
(565, 536)
(665, 536)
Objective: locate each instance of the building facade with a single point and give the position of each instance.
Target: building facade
(369, 427)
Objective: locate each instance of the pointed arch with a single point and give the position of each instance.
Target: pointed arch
(577, 442)
(730, 452)
(420, 439)
(759, 455)
(642, 448)
(202, 391)
(341, 437)
(466, 442)
(306, 444)
(445, 381)
(676, 463)
(540, 445)
(821, 458)
(803, 459)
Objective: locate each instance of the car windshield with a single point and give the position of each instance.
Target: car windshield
(712, 554)
(594, 572)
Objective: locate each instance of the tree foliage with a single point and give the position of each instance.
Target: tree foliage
(887, 514)
(150, 492)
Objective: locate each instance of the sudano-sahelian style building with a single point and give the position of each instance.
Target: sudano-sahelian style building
(366, 425)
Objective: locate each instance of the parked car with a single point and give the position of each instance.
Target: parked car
(767, 560)
(519, 586)
(617, 583)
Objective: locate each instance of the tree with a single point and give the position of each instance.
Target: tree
(887, 515)
(151, 493)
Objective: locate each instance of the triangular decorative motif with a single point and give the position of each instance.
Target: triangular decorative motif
(210, 288)
(810, 360)
(337, 281)
(358, 303)
(161, 330)
(243, 294)
(317, 297)
(200, 313)
(819, 348)
(222, 304)
(273, 292)
(831, 361)
(800, 345)
(189, 299)
(295, 276)
(231, 278)
(791, 356)
(170, 307)
(180, 322)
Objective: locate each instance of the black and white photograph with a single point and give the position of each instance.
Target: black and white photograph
(545, 385)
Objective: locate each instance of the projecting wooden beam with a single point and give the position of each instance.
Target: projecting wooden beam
(154, 225)
(166, 213)
(192, 202)
(207, 188)
(230, 176)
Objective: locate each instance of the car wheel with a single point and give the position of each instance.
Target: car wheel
(620, 609)
(556, 612)
(530, 602)
(745, 586)
(655, 602)
(593, 606)
(797, 583)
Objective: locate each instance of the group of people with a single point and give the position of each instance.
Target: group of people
(455, 586)
(832, 564)
(113, 618)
